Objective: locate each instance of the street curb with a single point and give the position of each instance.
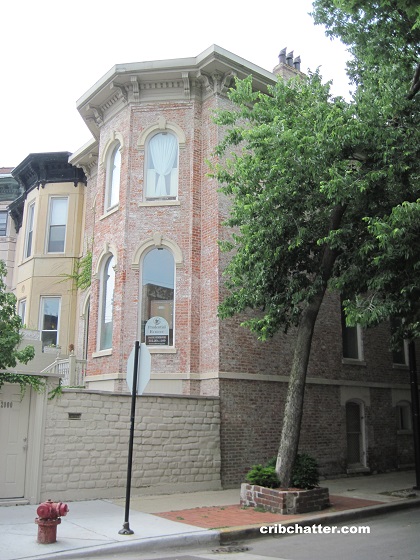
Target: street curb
(217, 537)
(197, 538)
(251, 532)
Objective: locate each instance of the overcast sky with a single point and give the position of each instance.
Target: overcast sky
(53, 52)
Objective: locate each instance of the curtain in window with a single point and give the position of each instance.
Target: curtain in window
(163, 151)
(114, 181)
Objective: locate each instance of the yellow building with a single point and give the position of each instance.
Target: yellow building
(48, 216)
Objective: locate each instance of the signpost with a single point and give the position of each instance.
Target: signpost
(139, 359)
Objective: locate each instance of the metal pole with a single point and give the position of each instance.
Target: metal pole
(415, 409)
(126, 525)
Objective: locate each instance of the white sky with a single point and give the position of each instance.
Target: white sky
(53, 52)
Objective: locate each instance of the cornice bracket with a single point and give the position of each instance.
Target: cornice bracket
(122, 89)
(97, 114)
(186, 80)
(135, 88)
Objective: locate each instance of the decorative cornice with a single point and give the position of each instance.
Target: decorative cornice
(123, 90)
(97, 114)
(217, 82)
(186, 78)
(135, 89)
(209, 73)
(37, 170)
(86, 158)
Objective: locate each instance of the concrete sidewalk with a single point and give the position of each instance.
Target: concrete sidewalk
(159, 522)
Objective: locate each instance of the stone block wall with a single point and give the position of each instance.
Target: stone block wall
(176, 445)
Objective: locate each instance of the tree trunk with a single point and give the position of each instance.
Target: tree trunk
(294, 403)
(296, 389)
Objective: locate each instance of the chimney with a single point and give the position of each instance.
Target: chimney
(282, 56)
(288, 67)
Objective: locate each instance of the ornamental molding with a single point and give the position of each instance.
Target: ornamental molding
(112, 140)
(109, 249)
(157, 241)
(162, 124)
(98, 115)
(217, 82)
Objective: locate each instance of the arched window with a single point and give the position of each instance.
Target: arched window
(113, 177)
(355, 427)
(107, 303)
(157, 301)
(403, 410)
(162, 166)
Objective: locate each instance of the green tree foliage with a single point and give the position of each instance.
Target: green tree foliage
(312, 178)
(10, 323)
(384, 39)
(382, 35)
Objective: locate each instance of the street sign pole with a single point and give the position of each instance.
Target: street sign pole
(126, 525)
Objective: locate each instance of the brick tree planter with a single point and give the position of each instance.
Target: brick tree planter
(285, 501)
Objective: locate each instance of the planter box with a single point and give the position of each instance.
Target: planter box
(283, 500)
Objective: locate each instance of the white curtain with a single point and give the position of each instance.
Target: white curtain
(163, 151)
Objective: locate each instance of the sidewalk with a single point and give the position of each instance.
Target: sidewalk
(196, 519)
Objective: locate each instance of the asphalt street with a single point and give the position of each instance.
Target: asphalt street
(392, 536)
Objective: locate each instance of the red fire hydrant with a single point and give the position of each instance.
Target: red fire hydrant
(49, 516)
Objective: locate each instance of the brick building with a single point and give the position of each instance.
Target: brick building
(152, 218)
(155, 218)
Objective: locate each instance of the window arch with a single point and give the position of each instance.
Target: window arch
(107, 303)
(161, 173)
(113, 176)
(157, 297)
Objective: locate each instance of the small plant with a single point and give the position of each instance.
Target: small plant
(263, 476)
(260, 509)
(305, 472)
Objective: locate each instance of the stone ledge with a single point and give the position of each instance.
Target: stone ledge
(284, 501)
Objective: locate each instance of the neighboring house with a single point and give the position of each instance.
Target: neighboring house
(152, 218)
(9, 191)
(49, 218)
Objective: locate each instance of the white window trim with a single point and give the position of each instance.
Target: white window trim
(41, 316)
(165, 198)
(30, 213)
(47, 237)
(4, 211)
(20, 303)
(112, 149)
(105, 258)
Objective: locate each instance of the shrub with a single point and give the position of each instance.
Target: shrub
(305, 472)
(263, 476)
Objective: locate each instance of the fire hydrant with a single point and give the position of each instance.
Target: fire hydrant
(49, 516)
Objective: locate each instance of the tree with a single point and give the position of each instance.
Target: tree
(309, 175)
(384, 39)
(382, 35)
(10, 323)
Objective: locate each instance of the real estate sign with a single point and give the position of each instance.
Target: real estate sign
(157, 332)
